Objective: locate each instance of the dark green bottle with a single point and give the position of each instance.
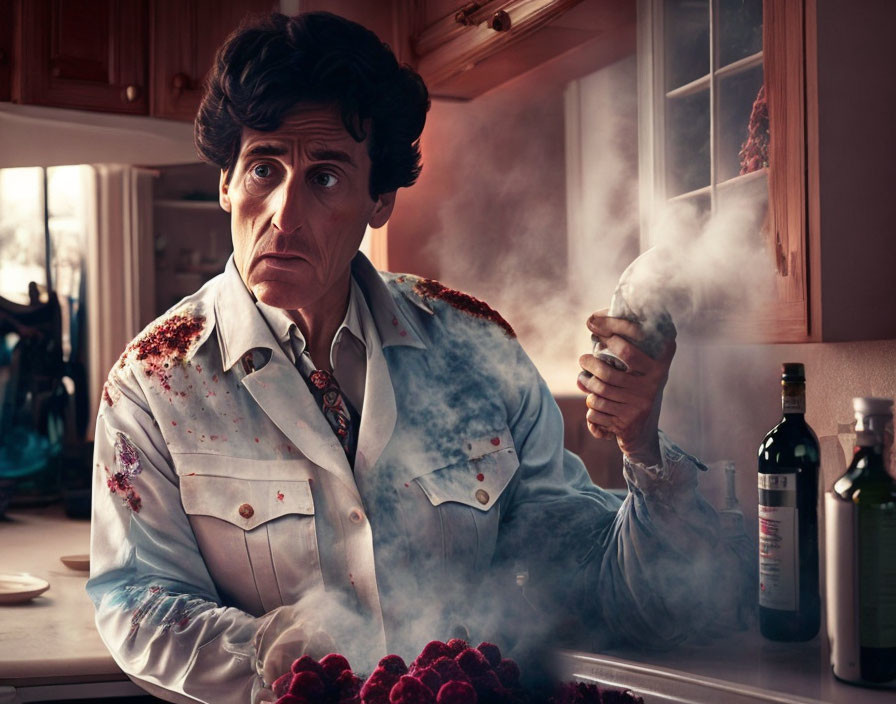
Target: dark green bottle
(862, 569)
(789, 602)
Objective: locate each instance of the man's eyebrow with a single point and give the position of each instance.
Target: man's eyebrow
(265, 150)
(332, 155)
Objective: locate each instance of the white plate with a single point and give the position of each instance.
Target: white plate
(16, 587)
(76, 562)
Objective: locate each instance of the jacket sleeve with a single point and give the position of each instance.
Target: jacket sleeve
(157, 608)
(651, 570)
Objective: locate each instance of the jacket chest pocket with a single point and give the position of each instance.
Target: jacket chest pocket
(257, 537)
(467, 500)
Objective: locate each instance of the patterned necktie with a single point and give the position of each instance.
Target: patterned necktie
(342, 417)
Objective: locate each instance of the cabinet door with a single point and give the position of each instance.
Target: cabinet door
(184, 36)
(5, 49)
(88, 55)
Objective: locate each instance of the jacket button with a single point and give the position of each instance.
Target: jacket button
(355, 515)
(246, 511)
(482, 496)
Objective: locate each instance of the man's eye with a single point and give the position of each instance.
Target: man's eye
(262, 171)
(324, 179)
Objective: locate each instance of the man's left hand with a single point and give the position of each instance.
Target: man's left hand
(625, 404)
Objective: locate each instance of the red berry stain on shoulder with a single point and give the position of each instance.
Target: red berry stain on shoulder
(430, 288)
(165, 344)
(279, 496)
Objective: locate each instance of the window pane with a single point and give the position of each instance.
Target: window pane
(740, 29)
(743, 124)
(21, 232)
(68, 203)
(686, 41)
(687, 143)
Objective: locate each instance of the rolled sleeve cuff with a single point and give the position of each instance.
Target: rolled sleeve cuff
(678, 470)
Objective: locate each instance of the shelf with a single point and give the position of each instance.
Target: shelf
(188, 204)
(742, 180)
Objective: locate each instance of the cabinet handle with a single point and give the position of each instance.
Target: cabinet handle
(180, 82)
(500, 21)
(131, 94)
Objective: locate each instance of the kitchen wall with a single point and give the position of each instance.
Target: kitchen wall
(489, 216)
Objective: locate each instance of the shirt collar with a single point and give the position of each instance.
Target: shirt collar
(240, 327)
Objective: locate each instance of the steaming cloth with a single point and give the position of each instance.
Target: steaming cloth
(225, 509)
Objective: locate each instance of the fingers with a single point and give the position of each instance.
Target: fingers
(598, 432)
(604, 326)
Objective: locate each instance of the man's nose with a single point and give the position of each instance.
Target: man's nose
(292, 207)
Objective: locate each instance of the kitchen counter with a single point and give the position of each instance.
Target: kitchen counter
(742, 668)
(49, 647)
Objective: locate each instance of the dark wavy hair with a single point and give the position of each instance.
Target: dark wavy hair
(267, 67)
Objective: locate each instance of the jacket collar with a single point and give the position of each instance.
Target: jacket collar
(241, 327)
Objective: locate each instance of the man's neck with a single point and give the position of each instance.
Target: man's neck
(319, 323)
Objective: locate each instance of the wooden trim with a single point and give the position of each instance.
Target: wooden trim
(473, 44)
(813, 201)
(784, 70)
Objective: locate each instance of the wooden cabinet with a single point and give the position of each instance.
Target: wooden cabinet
(826, 73)
(89, 55)
(463, 49)
(136, 57)
(184, 38)
(6, 50)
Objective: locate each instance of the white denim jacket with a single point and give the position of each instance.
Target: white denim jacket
(222, 496)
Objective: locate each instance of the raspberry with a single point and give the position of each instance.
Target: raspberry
(430, 677)
(411, 691)
(488, 687)
(348, 687)
(456, 693)
(306, 663)
(292, 699)
(281, 684)
(333, 665)
(508, 672)
(491, 653)
(449, 670)
(457, 646)
(377, 687)
(473, 663)
(432, 652)
(307, 684)
(393, 664)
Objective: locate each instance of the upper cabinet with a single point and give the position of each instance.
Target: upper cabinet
(463, 49)
(184, 38)
(139, 57)
(790, 103)
(89, 55)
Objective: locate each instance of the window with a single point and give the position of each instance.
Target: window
(705, 98)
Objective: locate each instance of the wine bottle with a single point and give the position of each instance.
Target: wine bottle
(789, 602)
(861, 553)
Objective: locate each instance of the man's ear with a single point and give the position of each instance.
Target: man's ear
(382, 211)
(223, 196)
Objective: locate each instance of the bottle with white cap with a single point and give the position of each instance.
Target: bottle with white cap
(861, 554)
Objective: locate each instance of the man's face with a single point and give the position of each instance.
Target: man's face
(299, 205)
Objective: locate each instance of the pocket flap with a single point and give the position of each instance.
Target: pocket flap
(245, 503)
(480, 480)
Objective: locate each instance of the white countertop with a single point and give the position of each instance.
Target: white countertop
(742, 668)
(52, 637)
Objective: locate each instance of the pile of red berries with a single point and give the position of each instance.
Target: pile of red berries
(444, 673)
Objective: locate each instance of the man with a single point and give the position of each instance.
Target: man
(308, 455)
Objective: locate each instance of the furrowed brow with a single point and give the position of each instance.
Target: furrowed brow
(265, 150)
(332, 155)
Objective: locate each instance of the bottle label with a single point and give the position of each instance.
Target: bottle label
(778, 542)
(877, 576)
(793, 404)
